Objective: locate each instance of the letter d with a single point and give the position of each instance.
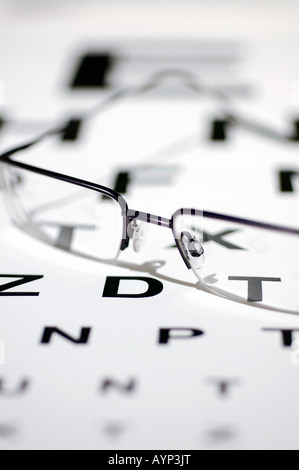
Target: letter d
(111, 289)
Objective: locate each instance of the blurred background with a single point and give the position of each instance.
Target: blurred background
(164, 149)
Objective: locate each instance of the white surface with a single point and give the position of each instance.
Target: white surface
(174, 405)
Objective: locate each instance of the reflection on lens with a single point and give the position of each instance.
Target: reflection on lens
(66, 216)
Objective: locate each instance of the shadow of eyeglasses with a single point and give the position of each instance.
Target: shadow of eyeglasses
(152, 268)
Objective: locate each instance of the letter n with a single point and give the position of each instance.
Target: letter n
(49, 331)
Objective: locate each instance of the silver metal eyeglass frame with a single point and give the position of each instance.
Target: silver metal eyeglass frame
(130, 215)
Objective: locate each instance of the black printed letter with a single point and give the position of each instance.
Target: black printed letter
(287, 335)
(50, 330)
(129, 387)
(24, 279)
(165, 334)
(111, 288)
(255, 289)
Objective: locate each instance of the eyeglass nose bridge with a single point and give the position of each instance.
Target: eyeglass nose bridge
(191, 250)
(137, 234)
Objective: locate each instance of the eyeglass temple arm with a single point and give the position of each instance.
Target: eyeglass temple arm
(70, 179)
(143, 216)
(106, 104)
(130, 214)
(250, 223)
(188, 80)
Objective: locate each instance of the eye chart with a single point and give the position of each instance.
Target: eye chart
(134, 354)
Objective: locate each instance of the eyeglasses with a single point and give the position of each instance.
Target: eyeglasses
(239, 259)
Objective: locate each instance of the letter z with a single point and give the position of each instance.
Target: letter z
(23, 279)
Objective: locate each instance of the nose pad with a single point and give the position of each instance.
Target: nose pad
(194, 251)
(138, 235)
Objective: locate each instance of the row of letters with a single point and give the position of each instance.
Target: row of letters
(111, 386)
(166, 336)
(112, 286)
(287, 178)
